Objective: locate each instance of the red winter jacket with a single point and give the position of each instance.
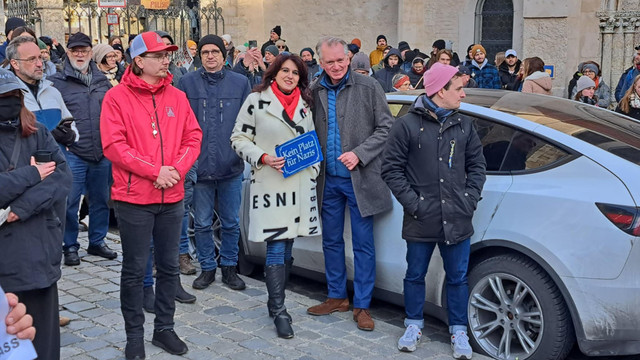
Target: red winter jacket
(127, 126)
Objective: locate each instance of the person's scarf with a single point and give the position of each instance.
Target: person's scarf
(288, 101)
(441, 113)
(634, 100)
(111, 75)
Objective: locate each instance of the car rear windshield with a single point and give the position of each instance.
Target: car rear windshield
(610, 131)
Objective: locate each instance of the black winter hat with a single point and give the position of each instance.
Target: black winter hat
(278, 30)
(131, 37)
(214, 40)
(403, 45)
(46, 40)
(309, 50)
(118, 47)
(381, 37)
(353, 48)
(440, 44)
(164, 34)
(12, 23)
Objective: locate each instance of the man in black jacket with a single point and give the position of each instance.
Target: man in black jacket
(434, 166)
(83, 87)
(509, 71)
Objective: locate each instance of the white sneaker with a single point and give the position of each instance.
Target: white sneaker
(460, 346)
(410, 339)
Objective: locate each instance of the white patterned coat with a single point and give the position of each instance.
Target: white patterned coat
(279, 208)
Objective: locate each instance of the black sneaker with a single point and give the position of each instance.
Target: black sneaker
(204, 279)
(231, 278)
(169, 342)
(102, 250)
(148, 299)
(71, 258)
(182, 296)
(134, 349)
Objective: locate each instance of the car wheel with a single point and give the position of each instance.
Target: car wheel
(516, 311)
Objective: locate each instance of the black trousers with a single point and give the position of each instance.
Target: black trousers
(42, 305)
(138, 224)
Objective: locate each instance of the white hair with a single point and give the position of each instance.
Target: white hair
(331, 41)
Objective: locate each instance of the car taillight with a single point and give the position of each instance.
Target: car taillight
(626, 218)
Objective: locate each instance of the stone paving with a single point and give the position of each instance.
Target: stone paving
(223, 323)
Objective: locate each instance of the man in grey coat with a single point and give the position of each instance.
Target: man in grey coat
(352, 120)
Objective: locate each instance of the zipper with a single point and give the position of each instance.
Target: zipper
(153, 99)
(204, 111)
(221, 113)
(129, 183)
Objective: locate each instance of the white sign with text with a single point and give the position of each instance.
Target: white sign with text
(12, 348)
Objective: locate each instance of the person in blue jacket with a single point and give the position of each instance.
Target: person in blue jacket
(216, 95)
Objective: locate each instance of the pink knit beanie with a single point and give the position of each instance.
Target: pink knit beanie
(437, 77)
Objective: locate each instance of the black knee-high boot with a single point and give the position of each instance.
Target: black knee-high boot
(275, 279)
(287, 271)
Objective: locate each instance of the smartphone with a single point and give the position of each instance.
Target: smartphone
(43, 156)
(253, 44)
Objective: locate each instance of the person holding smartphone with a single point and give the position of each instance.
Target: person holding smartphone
(32, 192)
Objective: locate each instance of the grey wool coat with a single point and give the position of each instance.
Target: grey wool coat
(279, 208)
(364, 121)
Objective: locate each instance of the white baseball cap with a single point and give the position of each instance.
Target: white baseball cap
(510, 52)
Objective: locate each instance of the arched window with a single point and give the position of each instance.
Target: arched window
(494, 26)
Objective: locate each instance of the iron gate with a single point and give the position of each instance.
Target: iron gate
(179, 20)
(27, 10)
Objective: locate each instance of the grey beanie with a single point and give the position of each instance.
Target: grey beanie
(100, 51)
(360, 61)
(8, 81)
(591, 67)
(272, 49)
(584, 82)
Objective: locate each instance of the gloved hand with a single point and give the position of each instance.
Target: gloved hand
(66, 132)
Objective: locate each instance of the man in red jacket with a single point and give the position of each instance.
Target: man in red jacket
(152, 138)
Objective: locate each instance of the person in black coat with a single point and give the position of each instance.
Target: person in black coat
(509, 70)
(30, 228)
(392, 65)
(434, 166)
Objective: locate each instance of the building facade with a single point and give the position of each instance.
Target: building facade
(561, 32)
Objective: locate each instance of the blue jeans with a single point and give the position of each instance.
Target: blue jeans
(94, 176)
(189, 182)
(455, 259)
(228, 193)
(278, 251)
(338, 192)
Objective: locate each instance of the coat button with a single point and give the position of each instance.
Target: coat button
(440, 158)
(443, 201)
(444, 222)
(441, 180)
(421, 197)
(415, 216)
(466, 194)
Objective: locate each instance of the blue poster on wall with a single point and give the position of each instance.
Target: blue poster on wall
(299, 153)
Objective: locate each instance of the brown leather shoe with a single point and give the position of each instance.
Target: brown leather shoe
(363, 318)
(64, 321)
(186, 267)
(329, 306)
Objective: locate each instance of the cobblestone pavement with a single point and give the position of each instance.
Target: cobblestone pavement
(223, 323)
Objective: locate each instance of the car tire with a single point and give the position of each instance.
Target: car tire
(516, 311)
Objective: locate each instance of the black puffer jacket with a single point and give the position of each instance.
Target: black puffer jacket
(85, 103)
(385, 75)
(31, 247)
(438, 199)
(509, 81)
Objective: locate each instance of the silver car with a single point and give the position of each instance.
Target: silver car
(556, 250)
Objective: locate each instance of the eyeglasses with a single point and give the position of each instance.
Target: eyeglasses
(281, 47)
(159, 57)
(214, 52)
(80, 51)
(32, 60)
(588, 72)
(111, 57)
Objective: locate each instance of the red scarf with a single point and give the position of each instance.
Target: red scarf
(290, 101)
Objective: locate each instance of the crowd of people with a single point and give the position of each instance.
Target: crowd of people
(162, 139)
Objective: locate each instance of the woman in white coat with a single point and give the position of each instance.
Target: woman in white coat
(281, 209)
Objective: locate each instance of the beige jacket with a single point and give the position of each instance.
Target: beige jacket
(538, 83)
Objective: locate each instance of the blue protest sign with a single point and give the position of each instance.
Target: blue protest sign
(300, 153)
